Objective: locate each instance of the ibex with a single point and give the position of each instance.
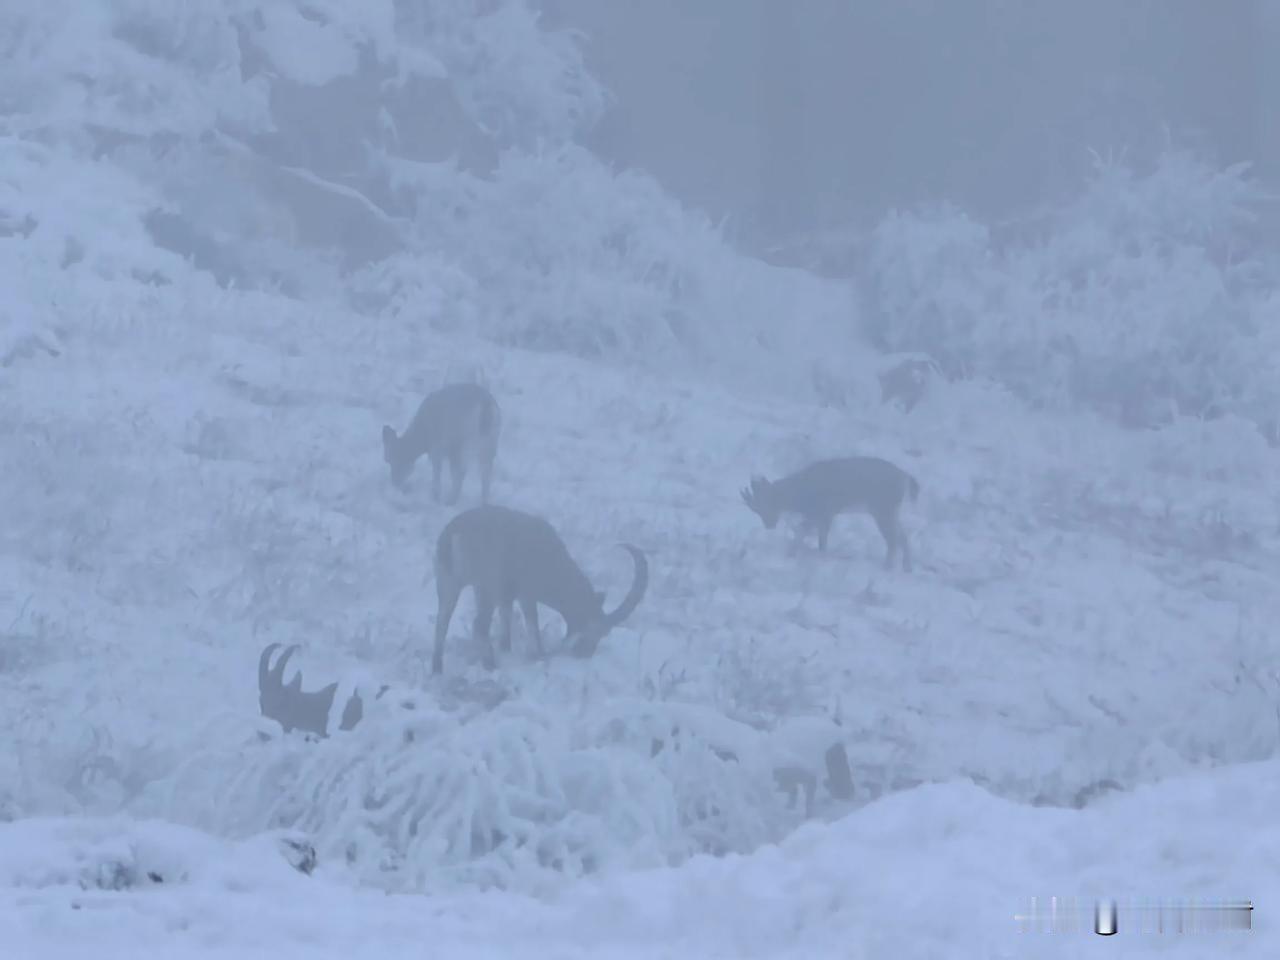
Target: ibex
(506, 557)
(457, 423)
(829, 487)
(295, 709)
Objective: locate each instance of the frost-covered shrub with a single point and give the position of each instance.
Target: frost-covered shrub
(418, 289)
(930, 281)
(574, 257)
(67, 768)
(419, 800)
(411, 159)
(1138, 299)
(569, 255)
(102, 73)
(244, 121)
(81, 235)
(519, 81)
(760, 683)
(519, 796)
(1227, 450)
(720, 772)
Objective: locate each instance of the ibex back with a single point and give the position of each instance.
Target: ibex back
(822, 490)
(506, 557)
(458, 423)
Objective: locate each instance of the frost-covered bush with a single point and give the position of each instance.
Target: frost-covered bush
(760, 683)
(1139, 299)
(563, 253)
(518, 81)
(720, 772)
(930, 281)
(415, 160)
(520, 796)
(245, 120)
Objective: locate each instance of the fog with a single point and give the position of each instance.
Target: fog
(623, 479)
(789, 118)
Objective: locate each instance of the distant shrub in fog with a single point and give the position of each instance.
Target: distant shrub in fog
(411, 160)
(564, 254)
(1138, 299)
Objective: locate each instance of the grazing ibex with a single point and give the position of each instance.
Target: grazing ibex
(829, 487)
(506, 557)
(295, 709)
(457, 423)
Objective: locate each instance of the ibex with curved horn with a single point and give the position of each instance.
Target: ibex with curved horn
(293, 708)
(510, 557)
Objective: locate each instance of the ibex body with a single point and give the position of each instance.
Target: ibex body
(510, 557)
(822, 490)
(458, 424)
(296, 709)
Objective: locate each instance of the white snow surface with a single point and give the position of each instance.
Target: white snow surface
(937, 871)
(219, 485)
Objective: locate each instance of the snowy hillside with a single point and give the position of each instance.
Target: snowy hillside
(217, 485)
(1075, 693)
(925, 874)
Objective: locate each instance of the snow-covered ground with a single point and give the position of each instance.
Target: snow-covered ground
(938, 871)
(217, 484)
(1074, 694)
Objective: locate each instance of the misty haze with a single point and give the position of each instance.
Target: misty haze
(639, 478)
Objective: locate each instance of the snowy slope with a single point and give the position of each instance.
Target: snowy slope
(212, 482)
(936, 871)
(1075, 693)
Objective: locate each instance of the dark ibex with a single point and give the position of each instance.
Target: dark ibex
(295, 709)
(822, 490)
(509, 557)
(459, 423)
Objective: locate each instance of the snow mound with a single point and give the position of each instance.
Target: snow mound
(120, 854)
(937, 871)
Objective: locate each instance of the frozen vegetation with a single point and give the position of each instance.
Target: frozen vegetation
(228, 255)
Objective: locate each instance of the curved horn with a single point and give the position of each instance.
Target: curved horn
(265, 673)
(278, 670)
(639, 584)
(590, 639)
